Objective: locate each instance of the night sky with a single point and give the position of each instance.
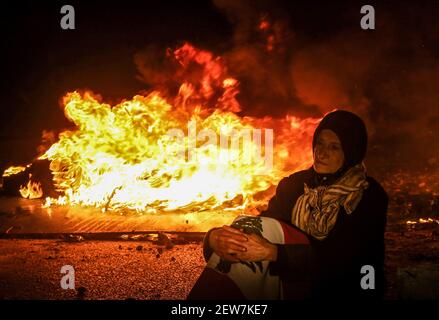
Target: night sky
(396, 89)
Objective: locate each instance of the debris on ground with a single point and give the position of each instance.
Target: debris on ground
(74, 238)
(163, 240)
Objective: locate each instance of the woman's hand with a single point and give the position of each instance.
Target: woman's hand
(227, 242)
(258, 249)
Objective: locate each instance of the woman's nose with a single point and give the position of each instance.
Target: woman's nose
(322, 152)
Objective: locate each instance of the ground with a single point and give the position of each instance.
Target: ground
(412, 260)
(153, 269)
(30, 269)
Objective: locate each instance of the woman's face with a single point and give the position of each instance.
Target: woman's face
(328, 153)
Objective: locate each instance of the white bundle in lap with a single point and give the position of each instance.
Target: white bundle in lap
(253, 278)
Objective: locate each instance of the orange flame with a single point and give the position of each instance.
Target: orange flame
(13, 171)
(123, 157)
(32, 190)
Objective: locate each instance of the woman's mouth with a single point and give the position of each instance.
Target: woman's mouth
(319, 162)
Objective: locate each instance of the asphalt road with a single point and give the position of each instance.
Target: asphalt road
(131, 269)
(31, 269)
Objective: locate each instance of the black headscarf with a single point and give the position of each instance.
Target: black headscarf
(352, 133)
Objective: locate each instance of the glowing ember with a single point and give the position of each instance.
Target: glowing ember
(422, 221)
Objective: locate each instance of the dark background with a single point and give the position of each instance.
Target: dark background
(396, 91)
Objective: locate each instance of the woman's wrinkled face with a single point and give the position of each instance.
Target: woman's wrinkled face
(328, 153)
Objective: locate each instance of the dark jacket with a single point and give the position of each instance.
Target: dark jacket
(333, 265)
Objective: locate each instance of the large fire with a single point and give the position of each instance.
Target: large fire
(183, 153)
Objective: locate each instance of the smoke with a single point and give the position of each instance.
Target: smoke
(389, 76)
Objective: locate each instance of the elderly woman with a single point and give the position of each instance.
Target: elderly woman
(322, 235)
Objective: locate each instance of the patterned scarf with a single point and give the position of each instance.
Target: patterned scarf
(315, 212)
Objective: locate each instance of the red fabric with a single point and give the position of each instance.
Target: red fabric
(292, 235)
(213, 285)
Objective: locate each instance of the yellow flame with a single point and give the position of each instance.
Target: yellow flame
(122, 157)
(13, 171)
(32, 190)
